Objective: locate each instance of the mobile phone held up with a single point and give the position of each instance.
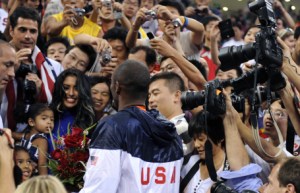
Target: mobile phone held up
(226, 29)
(150, 35)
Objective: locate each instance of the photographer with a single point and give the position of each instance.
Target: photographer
(36, 74)
(231, 160)
(112, 45)
(108, 14)
(171, 23)
(71, 22)
(172, 57)
(201, 9)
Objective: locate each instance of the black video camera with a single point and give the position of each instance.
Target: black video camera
(265, 50)
(215, 99)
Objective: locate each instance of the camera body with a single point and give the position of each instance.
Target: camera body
(23, 70)
(105, 57)
(215, 99)
(265, 50)
(80, 12)
(106, 3)
(150, 14)
(193, 99)
(220, 187)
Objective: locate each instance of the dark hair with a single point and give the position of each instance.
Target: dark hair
(85, 116)
(134, 78)
(117, 33)
(246, 31)
(18, 148)
(200, 67)
(237, 24)
(289, 173)
(176, 4)
(17, 170)
(26, 13)
(62, 40)
(163, 59)
(215, 126)
(172, 80)
(150, 54)
(206, 20)
(36, 109)
(238, 70)
(297, 33)
(88, 50)
(93, 80)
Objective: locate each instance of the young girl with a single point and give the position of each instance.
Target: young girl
(23, 161)
(40, 121)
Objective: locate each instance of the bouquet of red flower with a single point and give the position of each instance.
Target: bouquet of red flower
(70, 156)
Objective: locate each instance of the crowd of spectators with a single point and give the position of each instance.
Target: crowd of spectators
(142, 76)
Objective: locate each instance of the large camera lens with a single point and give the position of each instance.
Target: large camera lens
(238, 102)
(233, 56)
(220, 187)
(192, 99)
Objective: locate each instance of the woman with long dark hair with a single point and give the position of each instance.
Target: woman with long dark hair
(71, 103)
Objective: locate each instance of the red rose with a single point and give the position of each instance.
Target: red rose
(56, 154)
(72, 141)
(81, 156)
(76, 131)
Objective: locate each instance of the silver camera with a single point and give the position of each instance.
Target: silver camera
(105, 57)
(106, 3)
(150, 14)
(80, 12)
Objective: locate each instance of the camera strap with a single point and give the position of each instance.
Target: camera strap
(208, 146)
(257, 139)
(95, 66)
(185, 181)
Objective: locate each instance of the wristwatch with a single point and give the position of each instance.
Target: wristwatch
(177, 23)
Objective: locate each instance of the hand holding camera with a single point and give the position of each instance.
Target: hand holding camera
(162, 47)
(140, 19)
(118, 6)
(99, 44)
(109, 68)
(97, 4)
(23, 56)
(68, 14)
(163, 13)
(215, 33)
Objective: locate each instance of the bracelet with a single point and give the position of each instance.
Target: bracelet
(186, 22)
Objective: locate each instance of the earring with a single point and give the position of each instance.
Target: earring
(58, 108)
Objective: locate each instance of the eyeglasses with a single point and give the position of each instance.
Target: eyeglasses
(278, 114)
(286, 31)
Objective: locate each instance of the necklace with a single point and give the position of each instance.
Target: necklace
(197, 186)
